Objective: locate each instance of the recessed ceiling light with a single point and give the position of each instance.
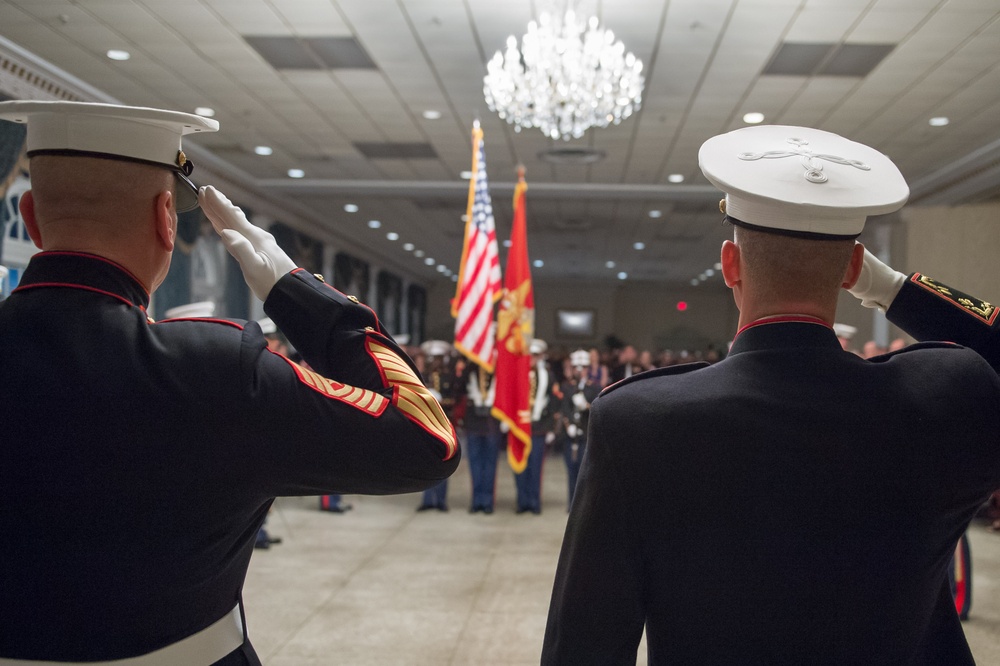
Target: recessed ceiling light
(429, 261)
(639, 245)
(710, 272)
(296, 173)
(118, 54)
(206, 111)
(939, 121)
(454, 278)
(753, 118)
(392, 235)
(263, 150)
(623, 275)
(694, 282)
(465, 218)
(718, 266)
(350, 208)
(539, 263)
(418, 253)
(441, 268)
(676, 178)
(507, 243)
(466, 175)
(610, 264)
(431, 114)
(655, 214)
(374, 224)
(408, 247)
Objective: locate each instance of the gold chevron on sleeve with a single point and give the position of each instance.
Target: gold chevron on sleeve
(363, 399)
(412, 397)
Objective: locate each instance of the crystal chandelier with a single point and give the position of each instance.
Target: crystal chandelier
(568, 76)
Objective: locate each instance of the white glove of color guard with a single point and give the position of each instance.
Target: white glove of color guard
(572, 430)
(262, 261)
(878, 284)
(580, 402)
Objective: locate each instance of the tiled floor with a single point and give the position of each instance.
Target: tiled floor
(384, 585)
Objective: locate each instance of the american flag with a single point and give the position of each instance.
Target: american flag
(479, 274)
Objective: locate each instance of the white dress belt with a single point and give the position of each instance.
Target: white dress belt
(201, 649)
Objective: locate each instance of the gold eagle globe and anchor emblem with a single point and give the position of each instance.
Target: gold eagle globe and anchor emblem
(516, 313)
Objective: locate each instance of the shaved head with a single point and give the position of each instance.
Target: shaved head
(798, 269)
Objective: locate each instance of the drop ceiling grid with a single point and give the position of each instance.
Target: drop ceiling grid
(251, 17)
(816, 99)
(312, 18)
(822, 23)
(886, 26)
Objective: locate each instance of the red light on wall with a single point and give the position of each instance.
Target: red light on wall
(682, 306)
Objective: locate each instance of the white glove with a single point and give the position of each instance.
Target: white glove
(878, 284)
(262, 261)
(550, 437)
(579, 401)
(504, 427)
(572, 430)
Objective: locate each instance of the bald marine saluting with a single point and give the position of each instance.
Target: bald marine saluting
(106, 412)
(793, 504)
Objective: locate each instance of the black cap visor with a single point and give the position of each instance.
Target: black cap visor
(187, 193)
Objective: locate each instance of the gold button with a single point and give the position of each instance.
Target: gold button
(353, 299)
(319, 277)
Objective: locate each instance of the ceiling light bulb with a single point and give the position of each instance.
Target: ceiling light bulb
(676, 178)
(507, 243)
(350, 208)
(656, 214)
(296, 173)
(610, 264)
(418, 254)
(392, 235)
(623, 275)
(539, 263)
(118, 54)
(429, 261)
(408, 247)
(431, 114)
(206, 111)
(694, 282)
(374, 224)
(263, 150)
(939, 121)
(466, 175)
(639, 245)
(753, 118)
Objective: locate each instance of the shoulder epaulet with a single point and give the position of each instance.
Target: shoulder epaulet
(681, 369)
(978, 308)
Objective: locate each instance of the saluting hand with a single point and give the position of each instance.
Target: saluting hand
(262, 261)
(878, 283)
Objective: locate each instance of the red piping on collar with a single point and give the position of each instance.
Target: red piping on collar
(67, 253)
(784, 319)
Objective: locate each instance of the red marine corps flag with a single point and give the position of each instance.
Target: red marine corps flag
(479, 273)
(515, 330)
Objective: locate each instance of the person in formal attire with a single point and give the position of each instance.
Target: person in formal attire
(927, 309)
(578, 392)
(543, 403)
(139, 459)
(626, 366)
(793, 503)
(483, 437)
(438, 375)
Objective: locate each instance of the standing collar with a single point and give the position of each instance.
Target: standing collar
(80, 270)
(784, 331)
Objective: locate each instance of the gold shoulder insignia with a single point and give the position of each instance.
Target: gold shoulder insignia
(363, 399)
(975, 307)
(411, 397)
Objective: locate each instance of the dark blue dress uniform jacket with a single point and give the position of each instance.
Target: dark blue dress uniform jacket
(793, 504)
(138, 459)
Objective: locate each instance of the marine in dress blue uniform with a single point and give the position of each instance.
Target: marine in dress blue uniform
(543, 404)
(578, 392)
(929, 310)
(106, 413)
(483, 438)
(440, 380)
(759, 511)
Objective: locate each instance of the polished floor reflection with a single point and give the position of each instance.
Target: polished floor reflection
(385, 585)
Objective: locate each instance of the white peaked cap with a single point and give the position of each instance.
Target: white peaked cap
(580, 358)
(801, 181)
(108, 130)
(435, 348)
(199, 309)
(845, 331)
(267, 326)
(539, 346)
